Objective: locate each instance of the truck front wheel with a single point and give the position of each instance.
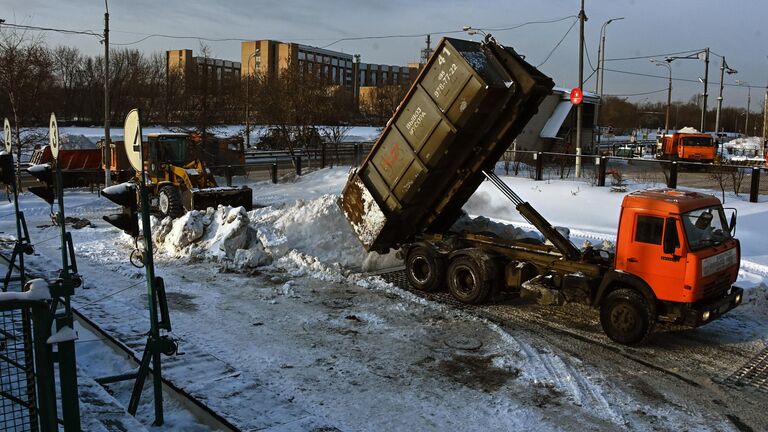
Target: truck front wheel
(425, 268)
(467, 280)
(626, 316)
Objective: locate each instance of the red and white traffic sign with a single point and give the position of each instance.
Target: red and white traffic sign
(576, 96)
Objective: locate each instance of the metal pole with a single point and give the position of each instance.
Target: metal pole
(749, 99)
(248, 103)
(704, 101)
(579, 108)
(720, 99)
(107, 140)
(669, 101)
(765, 125)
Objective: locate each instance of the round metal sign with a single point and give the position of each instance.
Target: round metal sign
(7, 135)
(576, 96)
(132, 139)
(53, 136)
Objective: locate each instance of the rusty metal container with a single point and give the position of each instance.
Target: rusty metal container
(465, 108)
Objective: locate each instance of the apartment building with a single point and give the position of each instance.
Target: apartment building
(220, 73)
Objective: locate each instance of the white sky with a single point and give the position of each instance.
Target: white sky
(730, 28)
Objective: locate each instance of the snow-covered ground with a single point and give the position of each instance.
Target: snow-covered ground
(277, 294)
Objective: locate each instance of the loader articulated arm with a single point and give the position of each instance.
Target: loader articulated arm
(537, 220)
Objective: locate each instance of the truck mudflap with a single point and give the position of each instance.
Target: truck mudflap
(201, 199)
(700, 313)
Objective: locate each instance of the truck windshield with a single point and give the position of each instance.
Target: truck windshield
(705, 227)
(698, 141)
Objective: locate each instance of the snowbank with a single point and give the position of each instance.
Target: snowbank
(743, 148)
(312, 231)
(688, 129)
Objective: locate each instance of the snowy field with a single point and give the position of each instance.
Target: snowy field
(279, 296)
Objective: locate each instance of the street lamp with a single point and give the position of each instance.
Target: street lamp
(669, 90)
(601, 73)
(723, 68)
(701, 55)
(749, 96)
(248, 97)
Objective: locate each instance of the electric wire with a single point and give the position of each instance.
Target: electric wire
(57, 30)
(653, 56)
(638, 94)
(558, 43)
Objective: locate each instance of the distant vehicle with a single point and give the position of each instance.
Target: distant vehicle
(691, 147)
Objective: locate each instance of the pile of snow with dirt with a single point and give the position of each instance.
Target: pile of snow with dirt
(312, 231)
(688, 129)
(482, 224)
(743, 148)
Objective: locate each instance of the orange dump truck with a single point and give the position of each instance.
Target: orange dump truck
(691, 147)
(675, 261)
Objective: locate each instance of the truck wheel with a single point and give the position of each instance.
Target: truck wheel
(468, 281)
(169, 201)
(425, 268)
(626, 316)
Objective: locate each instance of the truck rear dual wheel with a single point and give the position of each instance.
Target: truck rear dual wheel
(169, 201)
(425, 268)
(469, 280)
(626, 316)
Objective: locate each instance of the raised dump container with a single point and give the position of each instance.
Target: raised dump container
(466, 107)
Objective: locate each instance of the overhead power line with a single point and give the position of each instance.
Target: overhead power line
(558, 43)
(662, 55)
(57, 30)
(678, 79)
(638, 94)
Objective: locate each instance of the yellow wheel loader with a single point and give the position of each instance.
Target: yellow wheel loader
(179, 183)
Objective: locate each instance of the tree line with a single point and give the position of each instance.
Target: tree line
(624, 115)
(37, 79)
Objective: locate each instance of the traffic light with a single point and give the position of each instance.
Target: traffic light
(6, 168)
(43, 173)
(123, 194)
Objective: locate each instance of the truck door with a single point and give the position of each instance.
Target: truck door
(646, 258)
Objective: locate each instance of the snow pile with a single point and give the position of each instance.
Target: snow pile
(223, 234)
(743, 148)
(310, 234)
(688, 129)
(35, 289)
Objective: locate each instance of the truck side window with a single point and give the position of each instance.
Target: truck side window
(649, 229)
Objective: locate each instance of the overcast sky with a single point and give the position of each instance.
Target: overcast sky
(732, 28)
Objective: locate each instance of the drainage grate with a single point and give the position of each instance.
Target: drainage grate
(754, 373)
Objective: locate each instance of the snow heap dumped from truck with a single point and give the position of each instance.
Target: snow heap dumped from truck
(688, 129)
(742, 149)
(312, 231)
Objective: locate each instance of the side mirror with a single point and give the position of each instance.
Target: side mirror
(732, 223)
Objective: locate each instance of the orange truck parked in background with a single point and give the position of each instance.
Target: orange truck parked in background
(690, 147)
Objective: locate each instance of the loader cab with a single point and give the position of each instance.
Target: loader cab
(167, 149)
(680, 244)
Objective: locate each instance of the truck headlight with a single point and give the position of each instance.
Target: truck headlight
(705, 316)
(737, 299)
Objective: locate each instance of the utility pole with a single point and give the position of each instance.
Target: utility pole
(704, 101)
(723, 69)
(749, 99)
(107, 140)
(765, 124)
(579, 107)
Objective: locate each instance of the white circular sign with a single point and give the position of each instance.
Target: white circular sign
(132, 139)
(53, 136)
(7, 135)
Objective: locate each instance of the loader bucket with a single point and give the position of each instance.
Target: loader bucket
(201, 199)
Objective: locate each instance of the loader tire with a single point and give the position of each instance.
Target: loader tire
(169, 201)
(468, 280)
(425, 268)
(626, 316)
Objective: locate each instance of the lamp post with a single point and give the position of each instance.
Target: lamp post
(749, 96)
(669, 90)
(248, 98)
(701, 55)
(107, 140)
(601, 73)
(723, 69)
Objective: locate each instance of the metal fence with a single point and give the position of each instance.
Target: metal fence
(617, 172)
(18, 407)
